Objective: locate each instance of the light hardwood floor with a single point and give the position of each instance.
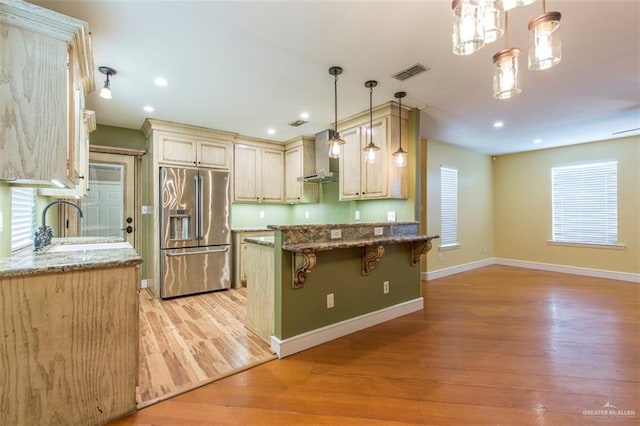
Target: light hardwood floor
(189, 341)
(497, 345)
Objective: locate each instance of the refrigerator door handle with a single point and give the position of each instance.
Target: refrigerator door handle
(201, 208)
(197, 209)
(217, 250)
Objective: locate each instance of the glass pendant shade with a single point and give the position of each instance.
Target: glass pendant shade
(105, 92)
(370, 152)
(544, 41)
(506, 77)
(492, 20)
(371, 149)
(468, 27)
(335, 145)
(401, 157)
(525, 2)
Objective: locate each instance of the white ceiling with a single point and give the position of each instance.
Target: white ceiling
(247, 66)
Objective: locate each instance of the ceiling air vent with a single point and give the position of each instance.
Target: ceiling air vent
(297, 123)
(410, 72)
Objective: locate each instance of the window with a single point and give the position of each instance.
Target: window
(23, 217)
(585, 203)
(448, 206)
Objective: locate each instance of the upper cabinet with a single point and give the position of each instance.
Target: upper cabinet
(360, 179)
(299, 159)
(47, 70)
(183, 145)
(258, 172)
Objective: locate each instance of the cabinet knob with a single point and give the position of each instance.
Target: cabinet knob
(194, 162)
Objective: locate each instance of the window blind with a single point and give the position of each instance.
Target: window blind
(23, 217)
(585, 203)
(448, 206)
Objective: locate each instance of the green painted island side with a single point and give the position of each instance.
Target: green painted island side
(339, 272)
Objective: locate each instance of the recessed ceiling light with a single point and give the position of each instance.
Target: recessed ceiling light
(149, 108)
(498, 124)
(304, 115)
(537, 141)
(161, 81)
(271, 130)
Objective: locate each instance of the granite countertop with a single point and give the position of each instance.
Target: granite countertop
(334, 225)
(341, 244)
(251, 229)
(263, 241)
(28, 262)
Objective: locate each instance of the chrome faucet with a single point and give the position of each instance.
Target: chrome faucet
(44, 234)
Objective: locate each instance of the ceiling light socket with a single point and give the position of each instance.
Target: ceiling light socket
(108, 71)
(370, 84)
(335, 70)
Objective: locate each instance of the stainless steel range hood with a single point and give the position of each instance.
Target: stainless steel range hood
(326, 168)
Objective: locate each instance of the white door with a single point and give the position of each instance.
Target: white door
(109, 205)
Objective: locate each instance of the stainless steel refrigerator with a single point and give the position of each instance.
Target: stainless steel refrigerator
(195, 244)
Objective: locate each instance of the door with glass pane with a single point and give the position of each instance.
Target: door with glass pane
(109, 204)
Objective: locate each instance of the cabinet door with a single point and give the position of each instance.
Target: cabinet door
(33, 99)
(179, 150)
(272, 176)
(374, 176)
(350, 164)
(293, 170)
(246, 169)
(213, 154)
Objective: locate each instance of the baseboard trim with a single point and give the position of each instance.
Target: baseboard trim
(303, 341)
(575, 270)
(551, 267)
(440, 273)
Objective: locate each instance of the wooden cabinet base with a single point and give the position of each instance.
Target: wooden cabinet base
(69, 347)
(260, 290)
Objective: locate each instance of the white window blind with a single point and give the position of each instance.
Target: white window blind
(23, 217)
(448, 206)
(585, 203)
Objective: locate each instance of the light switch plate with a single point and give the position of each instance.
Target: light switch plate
(391, 216)
(147, 210)
(378, 230)
(336, 233)
(357, 215)
(261, 214)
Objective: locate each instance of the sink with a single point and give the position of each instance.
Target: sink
(63, 248)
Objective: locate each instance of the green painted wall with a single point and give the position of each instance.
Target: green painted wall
(118, 137)
(339, 272)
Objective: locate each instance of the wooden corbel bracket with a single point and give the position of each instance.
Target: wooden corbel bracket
(303, 263)
(418, 248)
(371, 255)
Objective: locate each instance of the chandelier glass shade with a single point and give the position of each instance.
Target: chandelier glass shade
(544, 41)
(506, 76)
(336, 142)
(371, 149)
(468, 27)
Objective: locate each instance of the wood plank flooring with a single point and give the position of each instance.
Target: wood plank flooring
(189, 341)
(494, 346)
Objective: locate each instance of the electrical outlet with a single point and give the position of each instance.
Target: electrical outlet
(261, 214)
(306, 214)
(484, 249)
(336, 233)
(378, 230)
(357, 215)
(144, 284)
(385, 287)
(329, 300)
(391, 216)
(439, 257)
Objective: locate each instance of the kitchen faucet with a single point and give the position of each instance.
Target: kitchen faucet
(45, 233)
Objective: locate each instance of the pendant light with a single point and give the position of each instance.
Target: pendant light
(492, 20)
(506, 77)
(336, 141)
(468, 27)
(106, 90)
(400, 155)
(371, 149)
(544, 40)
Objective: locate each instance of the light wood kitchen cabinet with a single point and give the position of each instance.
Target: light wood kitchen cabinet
(360, 180)
(81, 160)
(239, 278)
(186, 150)
(260, 290)
(47, 70)
(258, 173)
(299, 161)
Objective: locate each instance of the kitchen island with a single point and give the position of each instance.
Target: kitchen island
(69, 324)
(333, 279)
